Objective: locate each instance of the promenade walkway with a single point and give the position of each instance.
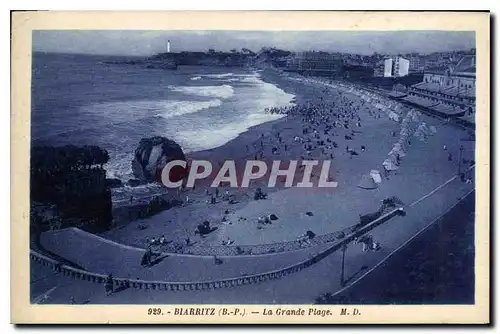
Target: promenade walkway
(103, 256)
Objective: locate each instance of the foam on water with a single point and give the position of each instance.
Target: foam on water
(196, 78)
(242, 113)
(119, 166)
(219, 135)
(135, 110)
(216, 135)
(218, 76)
(223, 91)
(178, 108)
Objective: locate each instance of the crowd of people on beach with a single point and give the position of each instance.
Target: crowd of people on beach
(343, 118)
(330, 127)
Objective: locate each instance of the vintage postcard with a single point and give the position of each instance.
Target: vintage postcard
(250, 167)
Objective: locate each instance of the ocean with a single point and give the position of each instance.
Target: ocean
(82, 100)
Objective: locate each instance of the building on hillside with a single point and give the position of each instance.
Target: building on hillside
(378, 70)
(416, 63)
(316, 63)
(392, 67)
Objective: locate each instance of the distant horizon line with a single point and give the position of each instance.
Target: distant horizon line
(135, 55)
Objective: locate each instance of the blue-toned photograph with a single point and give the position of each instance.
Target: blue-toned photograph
(252, 167)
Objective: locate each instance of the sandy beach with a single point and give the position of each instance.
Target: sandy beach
(425, 180)
(333, 208)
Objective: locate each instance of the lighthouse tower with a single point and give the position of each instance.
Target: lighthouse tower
(168, 46)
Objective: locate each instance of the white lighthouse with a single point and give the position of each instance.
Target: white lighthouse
(168, 46)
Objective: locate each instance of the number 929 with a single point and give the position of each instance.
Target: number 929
(154, 311)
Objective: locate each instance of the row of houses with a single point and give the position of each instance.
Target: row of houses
(316, 63)
(380, 65)
(449, 92)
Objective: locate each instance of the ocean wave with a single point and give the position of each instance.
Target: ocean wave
(124, 111)
(218, 134)
(120, 166)
(208, 138)
(218, 76)
(231, 80)
(178, 108)
(196, 78)
(223, 92)
(252, 79)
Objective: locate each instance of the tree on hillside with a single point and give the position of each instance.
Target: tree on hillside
(247, 51)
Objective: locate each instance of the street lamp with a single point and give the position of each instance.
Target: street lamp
(460, 159)
(342, 280)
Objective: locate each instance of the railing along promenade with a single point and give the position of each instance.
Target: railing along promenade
(213, 284)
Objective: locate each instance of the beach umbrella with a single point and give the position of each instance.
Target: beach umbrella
(393, 116)
(402, 141)
(389, 165)
(419, 135)
(367, 182)
(423, 128)
(375, 174)
(398, 151)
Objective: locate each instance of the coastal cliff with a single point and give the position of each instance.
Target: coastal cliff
(68, 188)
(211, 58)
(171, 60)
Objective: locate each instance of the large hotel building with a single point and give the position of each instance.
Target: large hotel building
(392, 67)
(449, 93)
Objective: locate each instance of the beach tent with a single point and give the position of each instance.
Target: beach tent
(375, 174)
(389, 164)
(367, 182)
(393, 116)
(397, 151)
(422, 129)
(403, 141)
(415, 116)
(419, 135)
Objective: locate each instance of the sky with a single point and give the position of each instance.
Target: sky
(145, 43)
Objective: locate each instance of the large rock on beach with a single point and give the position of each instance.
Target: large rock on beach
(152, 155)
(114, 183)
